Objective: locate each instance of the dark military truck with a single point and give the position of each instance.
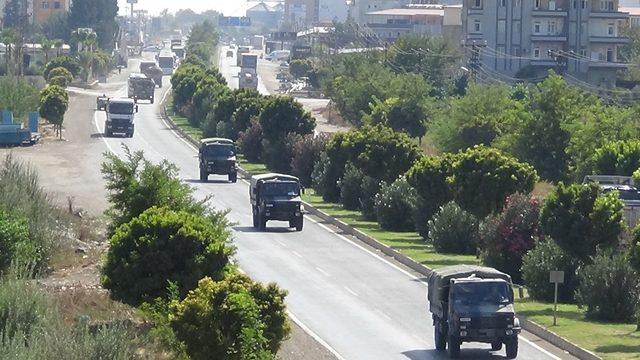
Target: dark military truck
(276, 197)
(154, 73)
(140, 87)
(473, 304)
(218, 156)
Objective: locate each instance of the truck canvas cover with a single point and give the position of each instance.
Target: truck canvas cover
(256, 178)
(439, 280)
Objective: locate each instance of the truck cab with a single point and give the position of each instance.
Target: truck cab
(140, 87)
(473, 304)
(276, 197)
(217, 156)
(120, 117)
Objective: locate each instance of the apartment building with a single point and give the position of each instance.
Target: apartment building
(583, 36)
(43, 9)
(390, 24)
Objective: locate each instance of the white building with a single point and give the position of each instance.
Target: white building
(390, 24)
(360, 8)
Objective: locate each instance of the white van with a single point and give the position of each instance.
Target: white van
(278, 55)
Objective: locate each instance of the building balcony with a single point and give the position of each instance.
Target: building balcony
(549, 13)
(543, 62)
(607, 65)
(609, 39)
(549, 38)
(475, 11)
(609, 15)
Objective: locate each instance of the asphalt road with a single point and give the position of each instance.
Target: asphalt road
(353, 301)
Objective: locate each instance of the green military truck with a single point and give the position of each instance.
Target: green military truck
(218, 156)
(276, 197)
(154, 73)
(140, 87)
(473, 304)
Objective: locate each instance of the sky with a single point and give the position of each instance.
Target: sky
(227, 7)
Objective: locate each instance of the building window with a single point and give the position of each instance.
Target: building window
(57, 5)
(536, 53)
(536, 4)
(477, 28)
(606, 5)
(583, 52)
(574, 4)
(610, 30)
(552, 28)
(610, 55)
(45, 4)
(536, 28)
(477, 4)
(584, 4)
(503, 3)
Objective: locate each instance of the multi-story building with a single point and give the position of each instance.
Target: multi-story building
(443, 20)
(266, 15)
(580, 37)
(360, 8)
(634, 15)
(332, 11)
(300, 14)
(43, 9)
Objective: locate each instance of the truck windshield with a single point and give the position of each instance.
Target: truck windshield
(220, 151)
(480, 293)
(121, 108)
(281, 189)
(165, 62)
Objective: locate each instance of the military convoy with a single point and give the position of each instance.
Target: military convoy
(473, 304)
(152, 71)
(140, 87)
(217, 156)
(276, 197)
(120, 117)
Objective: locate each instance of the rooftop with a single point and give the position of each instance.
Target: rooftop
(633, 11)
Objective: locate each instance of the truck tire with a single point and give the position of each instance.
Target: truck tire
(255, 220)
(233, 177)
(496, 346)
(512, 348)
(204, 177)
(453, 347)
(299, 222)
(152, 99)
(262, 223)
(439, 337)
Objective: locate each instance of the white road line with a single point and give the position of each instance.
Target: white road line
(95, 122)
(537, 347)
(351, 291)
(322, 272)
(315, 336)
(281, 243)
(297, 254)
(385, 315)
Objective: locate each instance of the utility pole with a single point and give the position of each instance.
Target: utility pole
(560, 60)
(474, 58)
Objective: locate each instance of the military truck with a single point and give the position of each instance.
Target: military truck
(140, 87)
(120, 117)
(276, 197)
(154, 73)
(473, 304)
(217, 156)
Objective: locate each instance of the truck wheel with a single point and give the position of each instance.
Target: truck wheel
(454, 347)
(299, 223)
(108, 133)
(496, 346)
(512, 348)
(255, 221)
(233, 177)
(262, 226)
(152, 99)
(439, 338)
(204, 177)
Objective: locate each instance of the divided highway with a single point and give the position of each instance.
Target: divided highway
(358, 304)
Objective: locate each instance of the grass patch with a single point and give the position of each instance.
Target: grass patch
(183, 123)
(253, 168)
(407, 243)
(610, 341)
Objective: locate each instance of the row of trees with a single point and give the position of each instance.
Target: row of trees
(171, 254)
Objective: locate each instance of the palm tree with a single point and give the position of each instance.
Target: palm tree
(58, 44)
(46, 45)
(85, 58)
(9, 39)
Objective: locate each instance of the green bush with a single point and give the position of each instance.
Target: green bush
(61, 81)
(395, 204)
(429, 177)
(547, 256)
(135, 184)
(617, 158)
(506, 237)
(350, 187)
(233, 319)
(300, 67)
(581, 219)
(369, 188)
(162, 246)
(633, 254)
(60, 71)
(250, 142)
(306, 153)
(453, 230)
(15, 244)
(609, 288)
(320, 181)
(482, 178)
(283, 115)
(67, 62)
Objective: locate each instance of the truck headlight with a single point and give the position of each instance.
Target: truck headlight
(465, 319)
(463, 333)
(269, 205)
(509, 332)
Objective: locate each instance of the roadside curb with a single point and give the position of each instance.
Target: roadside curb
(526, 324)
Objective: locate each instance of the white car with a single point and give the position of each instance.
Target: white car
(278, 55)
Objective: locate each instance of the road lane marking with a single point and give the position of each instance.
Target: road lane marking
(315, 336)
(297, 254)
(385, 315)
(351, 291)
(281, 243)
(322, 272)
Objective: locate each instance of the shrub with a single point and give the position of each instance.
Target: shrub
(395, 204)
(453, 230)
(482, 178)
(369, 188)
(306, 153)
(300, 67)
(61, 81)
(250, 142)
(135, 184)
(634, 253)
(276, 156)
(350, 187)
(283, 115)
(581, 219)
(233, 319)
(506, 237)
(71, 64)
(547, 256)
(609, 288)
(162, 246)
(15, 244)
(429, 177)
(60, 71)
(617, 158)
(224, 129)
